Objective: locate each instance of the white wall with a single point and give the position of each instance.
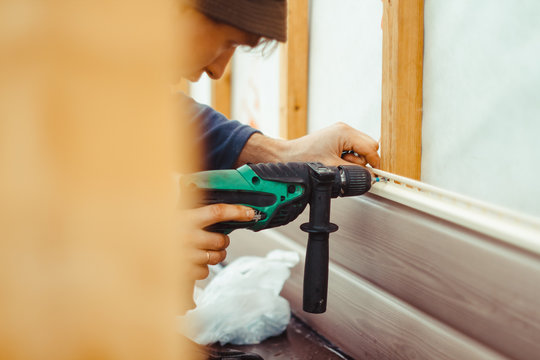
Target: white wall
(345, 64)
(481, 123)
(255, 89)
(344, 71)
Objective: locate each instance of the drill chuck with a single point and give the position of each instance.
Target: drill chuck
(355, 180)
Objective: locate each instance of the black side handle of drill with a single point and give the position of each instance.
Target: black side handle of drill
(352, 180)
(318, 228)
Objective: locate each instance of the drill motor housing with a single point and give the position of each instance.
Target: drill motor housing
(279, 193)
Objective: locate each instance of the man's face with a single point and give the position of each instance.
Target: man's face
(206, 45)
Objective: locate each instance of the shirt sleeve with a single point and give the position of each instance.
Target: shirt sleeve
(222, 139)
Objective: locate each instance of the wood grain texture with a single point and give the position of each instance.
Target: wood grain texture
(482, 287)
(294, 72)
(221, 93)
(401, 113)
(363, 320)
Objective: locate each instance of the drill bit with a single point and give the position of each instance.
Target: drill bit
(377, 179)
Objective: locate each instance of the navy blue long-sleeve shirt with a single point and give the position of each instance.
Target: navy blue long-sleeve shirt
(222, 139)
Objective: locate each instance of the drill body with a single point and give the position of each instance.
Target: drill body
(279, 193)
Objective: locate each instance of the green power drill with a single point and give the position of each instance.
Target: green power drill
(279, 193)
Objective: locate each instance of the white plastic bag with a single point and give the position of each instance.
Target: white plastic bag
(241, 305)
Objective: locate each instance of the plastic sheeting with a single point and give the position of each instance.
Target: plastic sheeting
(481, 128)
(345, 64)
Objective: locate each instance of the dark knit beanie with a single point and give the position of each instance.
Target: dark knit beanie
(267, 18)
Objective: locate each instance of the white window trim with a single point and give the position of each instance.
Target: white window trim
(513, 227)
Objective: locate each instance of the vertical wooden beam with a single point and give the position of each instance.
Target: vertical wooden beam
(401, 125)
(221, 93)
(294, 72)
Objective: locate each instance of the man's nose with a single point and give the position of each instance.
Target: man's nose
(216, 69)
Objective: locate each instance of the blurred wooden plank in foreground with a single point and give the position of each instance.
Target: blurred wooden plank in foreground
(89, 264)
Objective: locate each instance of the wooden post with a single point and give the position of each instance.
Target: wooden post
(221, 93)
(294, 72)
(401, 123)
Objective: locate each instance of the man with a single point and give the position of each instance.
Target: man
(209, 33)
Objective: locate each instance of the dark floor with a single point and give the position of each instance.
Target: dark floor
(298, 342)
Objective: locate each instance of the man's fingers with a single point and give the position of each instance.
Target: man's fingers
(198, 272)
(373, 159)
(357, 160)
(212, 214)
(206, 257)
(215, 257)
(201, 259)
(363, 145)
(209, 240)
(367, 147)
(363, 158)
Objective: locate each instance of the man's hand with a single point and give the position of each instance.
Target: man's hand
(205, 248)
(325, 146)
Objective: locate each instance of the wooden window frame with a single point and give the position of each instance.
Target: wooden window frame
(294, 59)
(401, 115)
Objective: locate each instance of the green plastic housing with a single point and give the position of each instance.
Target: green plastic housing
(245, 180)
